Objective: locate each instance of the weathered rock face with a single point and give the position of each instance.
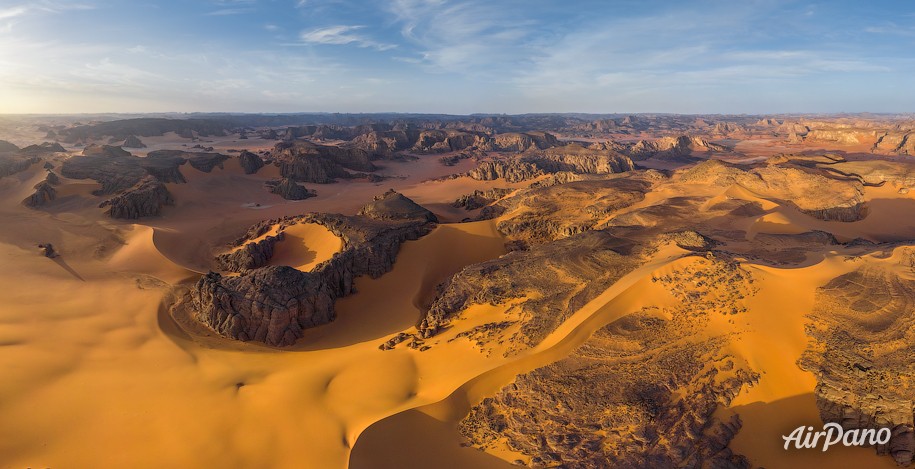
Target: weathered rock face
(544, 213)
(289, 190)
(480, 199)
(394, 206)
(250, 162)
(146, 199)
(860, 354)
(164, 165)
(250, 255)
(572, 158)
(813, 192)
(512, 170)
(13, 163)
(43, 149)
(132, 141)
(205, 161)
(670, 147)
(626, 398)
(44, 193)
(524, 141)
(274, 304)
(112, 167)
(577, 159)
(566, 274)
(321, 164)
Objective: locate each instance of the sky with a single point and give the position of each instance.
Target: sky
(457, 56)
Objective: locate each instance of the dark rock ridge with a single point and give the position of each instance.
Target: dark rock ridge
(567, 158)
(44, 193)
(250, 256)
(275, 304)
(42, 149)
(122, 129)
(12, 163)
(250, 162)
(289, 190)
(321, 164)
(145, 199)
(393, 205)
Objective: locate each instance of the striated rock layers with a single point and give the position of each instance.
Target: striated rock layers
(321, 164)
(145, 199)
(275, 304)
(861, 351)
(568, 158)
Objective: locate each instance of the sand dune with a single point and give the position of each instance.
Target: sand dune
(305, 245)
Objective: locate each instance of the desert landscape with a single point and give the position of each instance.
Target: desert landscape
(399, 290)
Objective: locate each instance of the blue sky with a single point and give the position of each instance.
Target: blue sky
(456, 56)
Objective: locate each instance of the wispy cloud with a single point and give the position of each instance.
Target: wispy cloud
(342, 35)
(12, 12)
(230, 11)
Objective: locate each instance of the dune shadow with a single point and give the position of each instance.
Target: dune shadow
(63, 265)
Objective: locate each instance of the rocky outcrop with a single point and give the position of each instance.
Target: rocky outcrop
(13, 163)
(112, 167)
(250, 162)
(480, 199)
(289, 190)
(511, 170)
(47, 250)
(520, 142)
(44, 193)
(249, 256)
(859, 354)
(394, 206)
(205, 161)
(275, 304)
(320, 164)
(145, 199)
(132, 141)
(43, 149)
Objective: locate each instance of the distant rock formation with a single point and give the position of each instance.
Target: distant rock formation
(43, 149)
(145, 199)
(12, 163)
(289, 190)
(394, 206)
(250, 162)
(132, 141)
(567, 158)
(7, 147)
(480, 199)
(320, 164)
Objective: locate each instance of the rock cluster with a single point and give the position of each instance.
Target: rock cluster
(250, 162)
(145, 199)
(274, 304)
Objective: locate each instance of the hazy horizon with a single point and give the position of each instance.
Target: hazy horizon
(455, 57)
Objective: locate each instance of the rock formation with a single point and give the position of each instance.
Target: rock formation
(289, 190)
(132, 141)
(145, 199)
(393, 206)
(250, 162)
(44, 193)
(274, 304)
(321, 164)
